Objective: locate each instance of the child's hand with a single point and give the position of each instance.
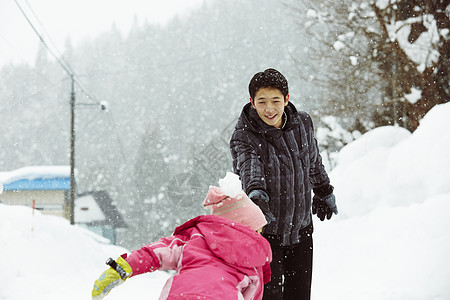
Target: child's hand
(110, 279)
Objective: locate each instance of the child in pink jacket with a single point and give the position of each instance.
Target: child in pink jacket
(218, 256)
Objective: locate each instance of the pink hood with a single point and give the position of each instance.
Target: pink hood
(227, 240)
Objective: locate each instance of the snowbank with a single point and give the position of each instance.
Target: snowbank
(389, 166)
(396, 253)
(44, 257)
(390, 240)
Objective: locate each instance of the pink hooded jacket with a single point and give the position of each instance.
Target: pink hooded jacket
(214, 257)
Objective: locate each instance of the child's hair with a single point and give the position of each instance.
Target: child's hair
(270, 78)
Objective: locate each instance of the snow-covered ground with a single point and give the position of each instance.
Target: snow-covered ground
(44, 257)
(391, 239)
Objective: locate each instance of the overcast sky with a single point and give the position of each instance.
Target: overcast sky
(77, 19)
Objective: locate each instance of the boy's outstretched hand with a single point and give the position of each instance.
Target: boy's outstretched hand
(260, 198)
(110, 279)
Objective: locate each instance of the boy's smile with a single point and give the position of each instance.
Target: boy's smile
(269, 104)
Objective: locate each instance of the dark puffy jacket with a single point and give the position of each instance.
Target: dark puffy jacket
(283, 162)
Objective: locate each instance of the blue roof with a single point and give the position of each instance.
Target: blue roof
(38, 184)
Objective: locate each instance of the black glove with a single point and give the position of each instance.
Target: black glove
(260, 198)
(324, 206)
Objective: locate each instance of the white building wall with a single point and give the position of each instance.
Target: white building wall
(48, 202)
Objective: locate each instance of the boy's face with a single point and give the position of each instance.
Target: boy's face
(269, 104)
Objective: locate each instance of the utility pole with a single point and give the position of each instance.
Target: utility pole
(72, 156)
(103, 106)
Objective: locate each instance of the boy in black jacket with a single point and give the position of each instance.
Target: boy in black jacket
(277, 158)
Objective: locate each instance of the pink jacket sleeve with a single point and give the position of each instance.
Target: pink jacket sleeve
(266, 273)
(162, 255)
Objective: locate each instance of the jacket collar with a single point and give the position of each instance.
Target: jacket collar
(249, 120)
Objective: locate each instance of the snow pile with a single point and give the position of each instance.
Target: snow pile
(390, 253)
(43, 257)
(390, 239)
(388, 166)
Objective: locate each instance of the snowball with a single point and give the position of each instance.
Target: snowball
(230, 185)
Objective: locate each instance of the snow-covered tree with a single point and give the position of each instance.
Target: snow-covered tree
(415, 54)
(380, 62)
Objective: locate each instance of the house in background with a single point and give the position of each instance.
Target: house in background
(48, 186)
(96, 211)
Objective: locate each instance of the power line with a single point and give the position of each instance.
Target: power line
(46, 33)
(60, 59)
(66, 68)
